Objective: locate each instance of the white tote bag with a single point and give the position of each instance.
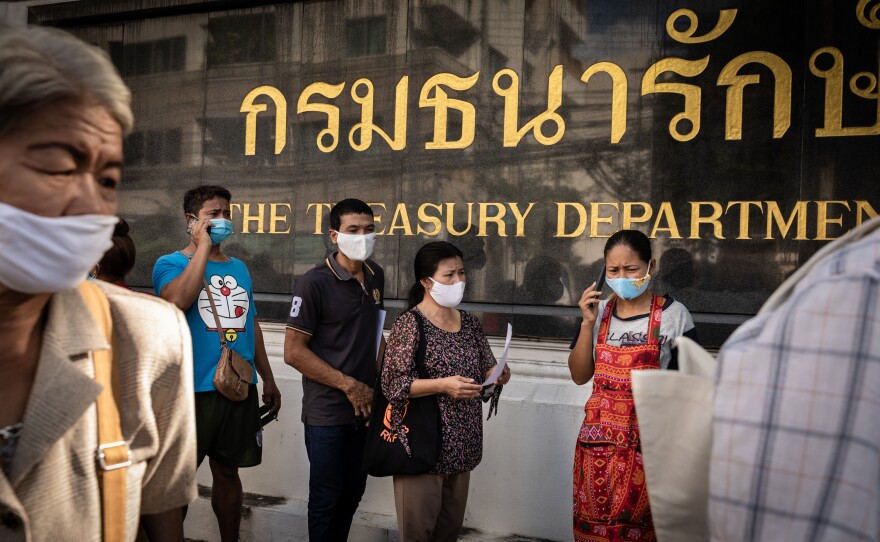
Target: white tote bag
(675, 420)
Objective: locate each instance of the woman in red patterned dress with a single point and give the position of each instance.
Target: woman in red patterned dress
(632, 331)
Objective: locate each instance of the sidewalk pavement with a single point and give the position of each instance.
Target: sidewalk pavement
(270, 519)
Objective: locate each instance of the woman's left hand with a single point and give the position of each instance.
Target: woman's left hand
(505, 375)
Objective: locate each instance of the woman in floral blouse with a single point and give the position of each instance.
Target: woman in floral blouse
(430, 507)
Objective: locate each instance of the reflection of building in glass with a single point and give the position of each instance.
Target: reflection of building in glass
(190, 73)
(365, 36)
(241, 39)
(191, 70)
(149, 57)
(153, 147)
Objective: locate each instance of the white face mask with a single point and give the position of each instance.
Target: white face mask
(40, 254)
(447, 295)
(356, 247)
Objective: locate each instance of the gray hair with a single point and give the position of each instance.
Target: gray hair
(40, 65)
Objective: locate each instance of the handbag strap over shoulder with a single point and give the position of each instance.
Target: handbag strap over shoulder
(214, 312)
(113, 455)
(423, 346)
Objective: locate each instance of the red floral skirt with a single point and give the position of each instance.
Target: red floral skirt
(610, 496)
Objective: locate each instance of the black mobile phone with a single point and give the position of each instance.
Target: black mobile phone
(600, 281)
(266, 415)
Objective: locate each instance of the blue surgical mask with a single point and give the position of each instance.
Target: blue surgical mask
(627, 288)
(221, 229)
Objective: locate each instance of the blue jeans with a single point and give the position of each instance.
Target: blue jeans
(336, 480)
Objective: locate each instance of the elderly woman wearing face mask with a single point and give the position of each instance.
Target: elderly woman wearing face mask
(96, 421)
(632, 331)
(430, 507)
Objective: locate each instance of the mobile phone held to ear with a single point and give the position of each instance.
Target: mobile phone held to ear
(600, 281)
(266, 415)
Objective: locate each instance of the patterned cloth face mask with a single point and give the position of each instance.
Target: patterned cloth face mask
(627, 288)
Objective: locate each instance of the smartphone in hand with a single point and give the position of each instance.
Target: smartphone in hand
(600, 281)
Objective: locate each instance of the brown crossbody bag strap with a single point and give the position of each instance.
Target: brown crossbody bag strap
(113, 455)
(232, 370)
(213, 307)
(214, 312)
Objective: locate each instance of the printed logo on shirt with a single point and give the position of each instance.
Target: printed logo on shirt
(295, 306)
(232, 302)
(634, 338)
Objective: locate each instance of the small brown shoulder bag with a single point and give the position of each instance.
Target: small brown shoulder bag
(233, 374)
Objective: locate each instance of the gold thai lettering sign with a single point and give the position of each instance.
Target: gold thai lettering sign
(740, 136)
(506, 84)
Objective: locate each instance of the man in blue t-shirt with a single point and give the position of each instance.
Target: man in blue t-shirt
(228, 432)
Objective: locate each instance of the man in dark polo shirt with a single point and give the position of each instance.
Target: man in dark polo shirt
(331, 340)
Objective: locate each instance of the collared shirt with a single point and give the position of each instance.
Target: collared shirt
(341, 316)
(51, 492)
(796, 446)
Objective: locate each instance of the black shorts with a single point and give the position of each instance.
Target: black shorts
(229, 431)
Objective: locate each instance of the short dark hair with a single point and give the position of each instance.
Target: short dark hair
(118, 261)
(425, 265)
(634, 239)
(350, 206)
(194, 199)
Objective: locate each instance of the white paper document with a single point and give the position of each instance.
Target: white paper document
(501, 362)
(380, 324)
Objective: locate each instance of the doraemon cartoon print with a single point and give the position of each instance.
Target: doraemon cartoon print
(232, 304)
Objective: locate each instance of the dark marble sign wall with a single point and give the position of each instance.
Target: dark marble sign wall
(741, 136)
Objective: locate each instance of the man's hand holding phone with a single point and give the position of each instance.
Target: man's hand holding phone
(199, 229)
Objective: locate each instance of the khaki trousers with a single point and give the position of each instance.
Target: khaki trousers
(430, 507)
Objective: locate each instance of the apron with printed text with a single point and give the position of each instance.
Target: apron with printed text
(610, 497)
